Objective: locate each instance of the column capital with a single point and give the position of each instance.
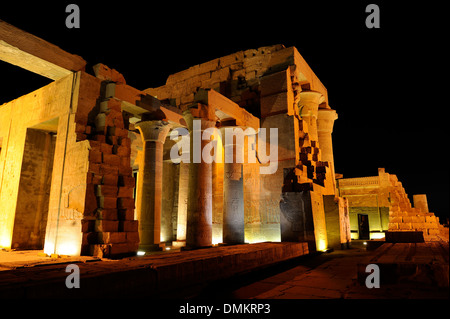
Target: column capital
(309, 103)
(153, 131)
(191, 116)
(325, 120)
(246, 130)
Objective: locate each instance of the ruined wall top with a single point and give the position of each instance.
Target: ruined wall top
(234, 74)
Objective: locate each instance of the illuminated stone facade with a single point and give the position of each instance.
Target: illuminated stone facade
(380, 203)
(86, 166)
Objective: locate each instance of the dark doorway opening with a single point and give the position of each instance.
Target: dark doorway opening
(34, 190)
(363, 224)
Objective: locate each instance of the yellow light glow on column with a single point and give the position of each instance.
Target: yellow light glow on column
(66, 244)
(5, 241)
(49, 247)
(70, 249)
(322, 245)
(216, 239)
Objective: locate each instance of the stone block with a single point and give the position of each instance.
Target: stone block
(111, 237)
(105, 148)
(128, 225)
(89, 238)
(127, 181)
(106, 190)
(87, 225)
(117, 131)
(395, 219)
(90, 201)
(123, 249)
(97, 179)
(274, 104)
(407, 219)
(100, 138)
(430, 219)
(132, 237)
(111, 159)
(106, 169)
(418, 226)
(125, 141)
(111, 139)
(126, 192)
(80, 128)
(95, 156)
(125, 169)
(123, 151)
(106, 202)
(125, 214)
(433, 232)
(103, 72)
(393, 226)
(94, 168)
(286, 143)
(275, 83)
(220, 75)
(109, 214)
(418, 219)
(111, 179)
(103, 225)
(125, 161)
(100, 250)
(404, 226)
(432, 225)
(125, 203)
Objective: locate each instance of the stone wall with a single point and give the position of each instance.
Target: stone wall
(385, 201)
(109, 227)
(48, 107)
(276, 85)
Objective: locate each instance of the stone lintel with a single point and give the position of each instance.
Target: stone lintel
(138, 103)
(35, 54)
(224, 108)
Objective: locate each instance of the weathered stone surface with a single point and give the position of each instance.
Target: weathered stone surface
(160, 275)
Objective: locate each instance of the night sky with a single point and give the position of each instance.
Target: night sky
(386, 84)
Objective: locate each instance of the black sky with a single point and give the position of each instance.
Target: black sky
(386, 84)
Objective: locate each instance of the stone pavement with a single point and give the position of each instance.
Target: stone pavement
(217, 274)
(327, 276)
(10, 260)
(162, 275)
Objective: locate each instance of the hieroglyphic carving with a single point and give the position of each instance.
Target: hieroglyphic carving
(269, 211)
(251, 208)
(71, 214)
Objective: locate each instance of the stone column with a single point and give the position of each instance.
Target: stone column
(199, 210)
(150, 183)
(233, 188)
(308, 109)
(325, 122)
(183, 191)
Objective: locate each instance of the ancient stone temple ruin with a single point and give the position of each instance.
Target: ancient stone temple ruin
(380, 204)
(90, 165)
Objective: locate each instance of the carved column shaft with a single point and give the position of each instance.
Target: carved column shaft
(233, 189)
(150, 183)
(199, 210)
(308, 110)
(325, 122)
